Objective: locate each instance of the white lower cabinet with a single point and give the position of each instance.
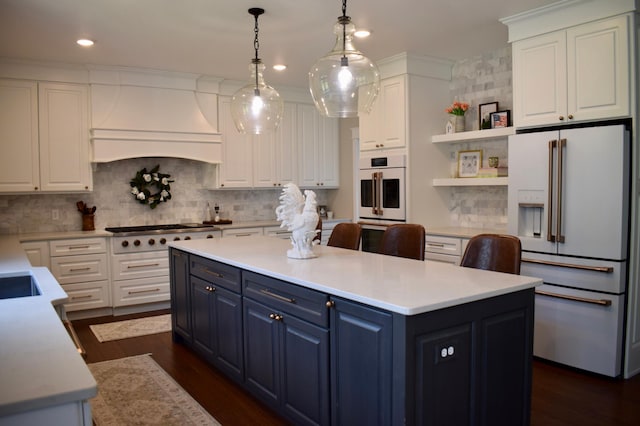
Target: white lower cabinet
(81, 267)
(37, 252)
(138, 278)
(444, 249)
(278, 232)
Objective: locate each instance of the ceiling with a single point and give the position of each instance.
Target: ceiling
(215, 37)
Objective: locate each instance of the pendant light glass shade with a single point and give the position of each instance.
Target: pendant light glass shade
(256, 107)
(344, 82)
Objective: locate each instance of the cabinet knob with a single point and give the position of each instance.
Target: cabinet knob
(561, 118)
(35, 188)
(570, 117)
(330, 304)
(276, 317)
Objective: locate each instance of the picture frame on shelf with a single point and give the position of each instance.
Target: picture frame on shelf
(469, 163)
(500, 119)
(484, 114)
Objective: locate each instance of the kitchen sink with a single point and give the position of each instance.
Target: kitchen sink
(18, 286)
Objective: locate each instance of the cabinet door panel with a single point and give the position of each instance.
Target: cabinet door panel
(598, 69)
(306, 372)
(444, 357)
(539, 80)
(64, 137)
(227, 313)
(202, 324)
(236, 168)
(19, 162)
(361, 343)
(180, 294)
(262, 354)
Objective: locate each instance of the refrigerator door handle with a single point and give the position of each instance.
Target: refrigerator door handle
(562, 143)
(550, 236)
(601, 302)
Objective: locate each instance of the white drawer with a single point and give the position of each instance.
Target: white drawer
(80, 268)
(276, 231)
(241, 232)
(77, 246)
(443, 245)
(141, 290)
(87, 295)
(140, 265)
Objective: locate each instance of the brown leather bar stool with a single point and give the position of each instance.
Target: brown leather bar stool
(493, 252)
(345, 235)
(403, 240)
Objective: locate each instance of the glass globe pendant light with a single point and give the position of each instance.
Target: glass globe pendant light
(344, 82)
(257, 107)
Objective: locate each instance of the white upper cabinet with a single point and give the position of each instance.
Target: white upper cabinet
(20, 159)
(386, 125)
(64, 137)
(276, 161)
(318, 149)
(45, 137)
(303, 150)
(236, 170)
(577, 74)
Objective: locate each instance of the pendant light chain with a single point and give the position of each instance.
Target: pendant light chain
(256, 46)
(344, 61)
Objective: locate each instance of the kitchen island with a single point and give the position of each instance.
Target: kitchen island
(357, 338)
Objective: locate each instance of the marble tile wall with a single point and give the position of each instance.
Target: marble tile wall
(481, 79)
(115, 206)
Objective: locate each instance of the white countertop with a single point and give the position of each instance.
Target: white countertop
(39, 364)
(396, 284)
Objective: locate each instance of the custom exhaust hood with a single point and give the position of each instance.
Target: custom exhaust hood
(133, 119)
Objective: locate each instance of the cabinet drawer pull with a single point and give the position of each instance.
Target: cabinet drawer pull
(78, 247)
(79, 269)
(277, 296)
(438, 245)
(246, 234)
(601, 302)
(152, 290)
(88, 296)
(147, 265)
(605, 269)
(214, 273)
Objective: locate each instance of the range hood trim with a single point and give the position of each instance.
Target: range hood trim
(112, 145)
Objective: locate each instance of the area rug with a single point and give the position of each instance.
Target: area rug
(137, 391)
(131, 328)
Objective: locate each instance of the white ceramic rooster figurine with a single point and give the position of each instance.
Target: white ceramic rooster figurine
(299, 215)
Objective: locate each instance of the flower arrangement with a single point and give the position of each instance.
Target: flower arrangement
(458, 108)
(145, 182)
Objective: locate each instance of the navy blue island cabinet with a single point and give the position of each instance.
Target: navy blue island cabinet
(320, 359)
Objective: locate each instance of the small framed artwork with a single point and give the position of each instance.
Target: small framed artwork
(484, 114)
(469, 163)
(500, 119)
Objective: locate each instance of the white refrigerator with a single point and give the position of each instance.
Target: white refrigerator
(569, 205)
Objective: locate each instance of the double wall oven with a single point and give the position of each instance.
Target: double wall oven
(381, 196)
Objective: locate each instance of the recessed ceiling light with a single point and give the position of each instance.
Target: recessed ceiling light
(279, 67)
(85, 42)
(362, 33)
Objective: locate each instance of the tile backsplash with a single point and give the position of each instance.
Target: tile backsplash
(481, 79)
(115, 206)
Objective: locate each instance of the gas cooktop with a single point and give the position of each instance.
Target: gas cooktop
(160, 229)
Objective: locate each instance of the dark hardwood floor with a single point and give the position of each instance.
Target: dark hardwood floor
(561, 396)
